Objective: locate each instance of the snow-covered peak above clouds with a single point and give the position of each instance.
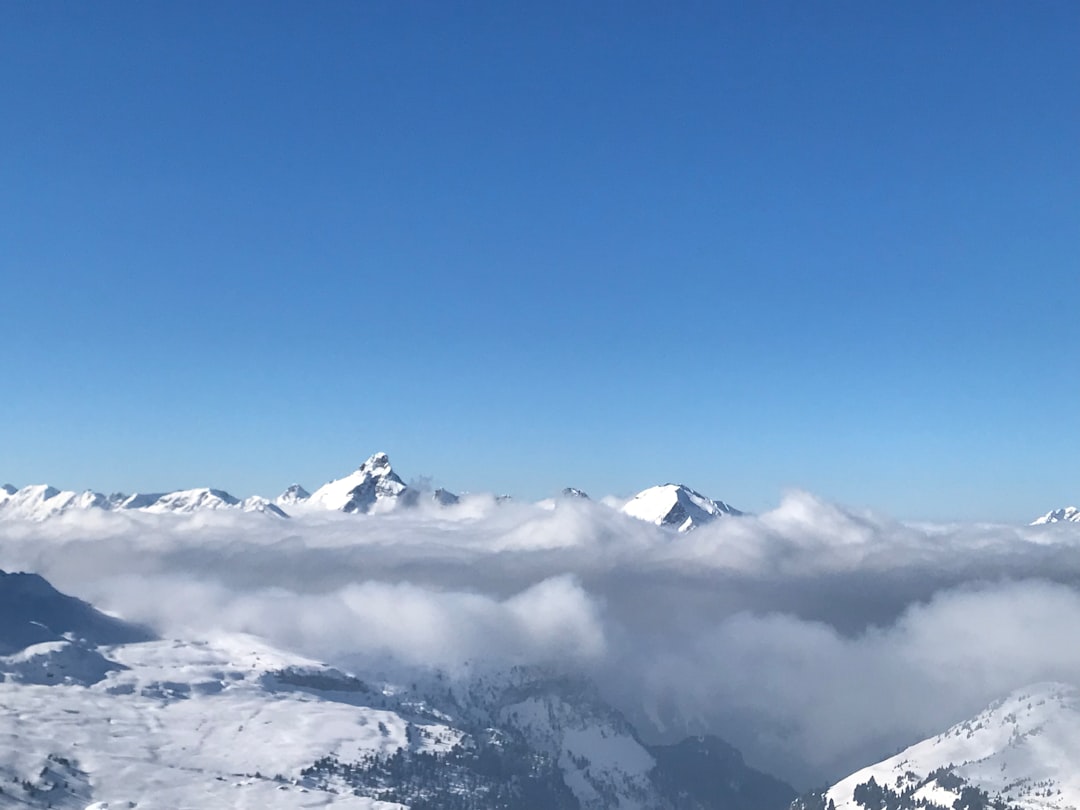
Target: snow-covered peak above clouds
(374, 487)
(192, 500)
(1070, 514)
(257, 503)
(676, 505)
(42, 501)
(294, 494)
(1022, 750)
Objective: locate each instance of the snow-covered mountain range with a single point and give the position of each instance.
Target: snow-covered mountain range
(1020, 752)
(1069, 514)
(40, 502)
(373, 488)
(98, 714)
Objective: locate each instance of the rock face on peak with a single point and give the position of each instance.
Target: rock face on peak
(677, 506)
(374, 487)
(444, 497)
(1020, 752)
(293, 495)
(574, 492)
(1070, 514)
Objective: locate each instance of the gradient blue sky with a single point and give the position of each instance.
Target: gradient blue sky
(748, 246)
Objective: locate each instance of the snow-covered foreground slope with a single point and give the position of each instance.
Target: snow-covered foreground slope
(231, 722)
(1023, 751)
(175, 725)
(676, 505)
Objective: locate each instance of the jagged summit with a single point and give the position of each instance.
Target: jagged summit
(293, 494)
(676, 505)
(1070, 514)
(574, 492)
(374, 487)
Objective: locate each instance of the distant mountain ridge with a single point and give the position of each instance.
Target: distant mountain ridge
(1069, 514)
(373, 488)
(41, 502)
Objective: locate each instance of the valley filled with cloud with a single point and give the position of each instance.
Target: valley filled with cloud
(815, 638)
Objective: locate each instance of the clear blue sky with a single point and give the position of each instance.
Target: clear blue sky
(749, 246)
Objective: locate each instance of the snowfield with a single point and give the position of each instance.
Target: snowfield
(178, 725)
(1023, 749)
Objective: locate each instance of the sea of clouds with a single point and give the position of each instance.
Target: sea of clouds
(815, 638)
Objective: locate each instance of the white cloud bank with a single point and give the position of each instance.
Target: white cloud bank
(812, 637)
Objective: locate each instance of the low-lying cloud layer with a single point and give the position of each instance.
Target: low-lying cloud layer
(814, 638)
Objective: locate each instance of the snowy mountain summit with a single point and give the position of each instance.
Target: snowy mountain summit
(676, 505)
(1020, 752)
(293, 494)
(1070, 514)
(374, 487)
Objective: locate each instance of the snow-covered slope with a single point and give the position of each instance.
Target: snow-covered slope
(1070, 514)
(96, 721)
(374, 487)
(676, 505)
(1023, 750)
